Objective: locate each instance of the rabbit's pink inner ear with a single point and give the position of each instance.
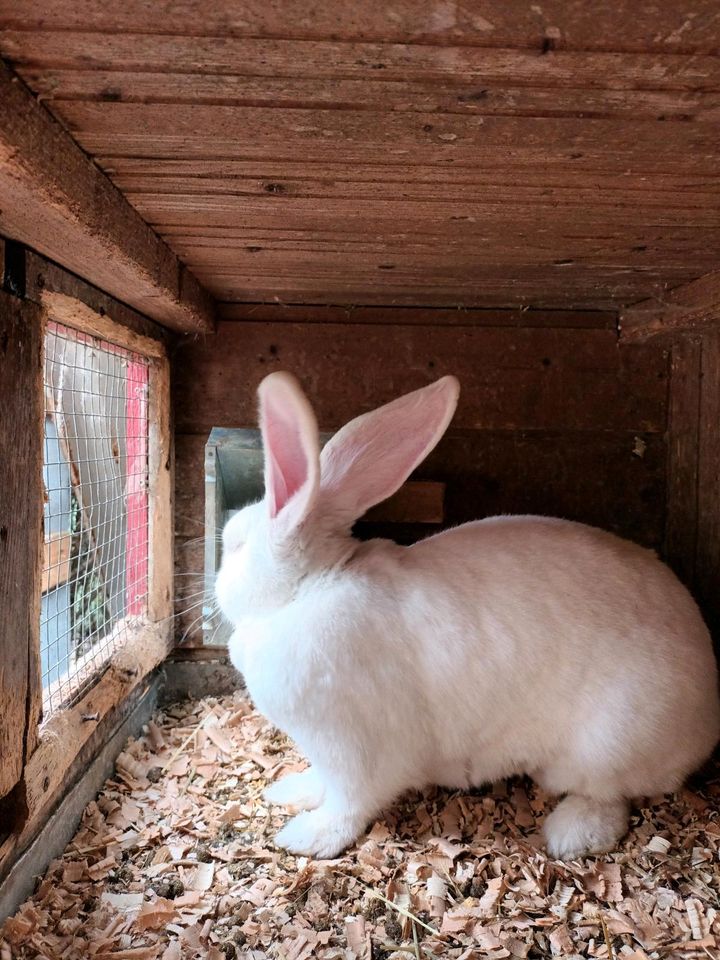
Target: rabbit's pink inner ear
(372, 456)
(290, 442)
(286, 462)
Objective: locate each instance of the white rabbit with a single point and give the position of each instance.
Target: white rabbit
(504, 646)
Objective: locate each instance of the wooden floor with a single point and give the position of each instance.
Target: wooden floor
(176, 860)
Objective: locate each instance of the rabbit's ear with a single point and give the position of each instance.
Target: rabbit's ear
(291, 447)
(373, 455)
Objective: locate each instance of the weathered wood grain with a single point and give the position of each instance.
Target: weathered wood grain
(694, 306)
(367, 136)
(53, 198)
(511, 378)
(73, 312)
(622, 25)
(420, 96)
(708, 487)
(682, 451)
(161, 471)
(45, 277)
(21, 505)
(91, 52)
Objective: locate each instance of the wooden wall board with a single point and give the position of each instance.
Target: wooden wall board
(708, 488)
(517, 379)
(55, 199)
(614, 479)
(21, 506)
(623, 25)
(554, 417)
(683, 450)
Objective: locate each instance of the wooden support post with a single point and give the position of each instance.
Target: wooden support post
(21, 512)
(54, 198)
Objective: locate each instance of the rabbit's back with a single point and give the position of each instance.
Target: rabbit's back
(580, 651)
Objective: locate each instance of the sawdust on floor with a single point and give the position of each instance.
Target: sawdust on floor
(175, 860)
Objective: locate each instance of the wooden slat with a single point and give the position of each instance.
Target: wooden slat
(371, 136)
(510, 378)
(53, 198)
(359, 94)
(694, 306)
(73, 312)
(708, 490)
(543, 188)
(683, 436)
(37, 54)
(161, 470)
(400, 316)
(21, 504)
(622, 25)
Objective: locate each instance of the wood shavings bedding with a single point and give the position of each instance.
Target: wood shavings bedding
(175, 860)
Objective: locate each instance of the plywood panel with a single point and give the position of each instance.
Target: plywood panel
(510, 378)
(21, 505)
(623, 25)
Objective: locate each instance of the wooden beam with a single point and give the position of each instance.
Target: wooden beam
(54, 199)
(692, 306)
(21, 513)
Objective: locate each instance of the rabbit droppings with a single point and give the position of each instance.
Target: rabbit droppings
(510, 645)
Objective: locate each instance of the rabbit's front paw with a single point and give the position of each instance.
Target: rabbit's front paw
(579, 826)
(320, 833)
(303, 790)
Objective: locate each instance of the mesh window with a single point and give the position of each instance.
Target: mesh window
(95, 472)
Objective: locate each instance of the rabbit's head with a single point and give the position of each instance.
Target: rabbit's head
(302, 527)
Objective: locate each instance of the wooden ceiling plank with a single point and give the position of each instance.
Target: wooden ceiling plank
(44, 55)
(458, 218)
(53, 198)
(507, 189)
(624, 24)
(426, 96)
(694, 306)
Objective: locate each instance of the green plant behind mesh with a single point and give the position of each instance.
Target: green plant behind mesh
(88, 601)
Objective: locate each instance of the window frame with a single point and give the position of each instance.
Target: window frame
(57, 749)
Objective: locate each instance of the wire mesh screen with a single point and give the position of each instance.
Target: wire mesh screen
(95, 471)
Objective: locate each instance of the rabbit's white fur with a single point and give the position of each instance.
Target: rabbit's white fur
(509, 645)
